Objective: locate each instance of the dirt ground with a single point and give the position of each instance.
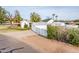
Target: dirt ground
(42, 44)
(52, 46)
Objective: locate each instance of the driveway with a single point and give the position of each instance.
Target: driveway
(12, 45)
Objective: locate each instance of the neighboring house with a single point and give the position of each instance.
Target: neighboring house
(58, 24)
(23, 23)
(50, 21)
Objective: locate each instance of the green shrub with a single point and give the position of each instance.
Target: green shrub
(55, 32)
(73, 36)
(62, 33)
(25, 26)
(66, 35)
(52, 32)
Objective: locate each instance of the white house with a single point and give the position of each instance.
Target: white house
(71, 26)
(50, 21)
(58, 24)
(23, 23)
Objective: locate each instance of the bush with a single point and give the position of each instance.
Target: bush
(52, 32)
(25, 26)
(66, 35)
(73, 36)
(62, 33)
(55, 32)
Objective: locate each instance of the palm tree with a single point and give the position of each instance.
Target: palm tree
(56, 17)
(35, 17)
(53, 16)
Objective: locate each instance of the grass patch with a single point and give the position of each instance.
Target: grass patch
(7, 28)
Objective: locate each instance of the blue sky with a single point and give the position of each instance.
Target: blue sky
(63, 12)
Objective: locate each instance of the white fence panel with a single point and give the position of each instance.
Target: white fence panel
(40, 28)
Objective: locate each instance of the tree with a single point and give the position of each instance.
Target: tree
(35, 17)
(53, 16)
(76, 20)
(9, 17)
(3, 13)
(56, 17)
(17, 17)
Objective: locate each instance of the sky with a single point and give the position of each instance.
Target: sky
(63, 12)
